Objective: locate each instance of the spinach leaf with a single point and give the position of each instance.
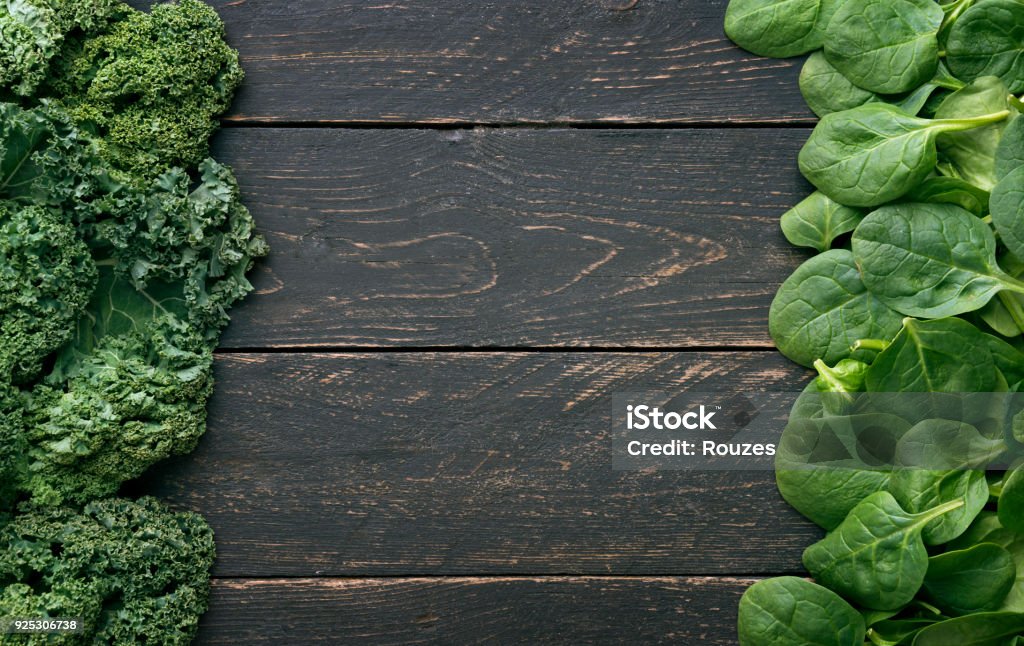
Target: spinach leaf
(918, 490)
(937, 461)
(817, 221)
(877, 153)
(886, 46)
(876, 557)
(1011, 501)
(980, 629)
(987, 529)
(950, 190)
(1010, 153)
(988, 40)
(973, 153)
(788, 611)
(929, 260)
(1007, 206)
(977, 579)
(826, 90)
(823, 308)
(819, 467)
(778, 28)
(945, 355)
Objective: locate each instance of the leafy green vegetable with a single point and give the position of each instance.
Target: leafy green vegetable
(1010, 152)
(134, 572)
(1007, 206)
(818, 221)
(122, 249)
(153, 102)
(877, 153)
(945, 355)
(779, 28)
(876, 557)
(930, 260)
(972, 580)
(988, 40)
(824, 297)
(790, 611)
(888, 447)
(951, 190)
(885, 46)
(819, 468)
(1011, 501)
(981, 629)
(973, 153)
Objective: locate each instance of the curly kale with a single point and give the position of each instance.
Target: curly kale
(153, 102)
(13, 450)
(122, 248)
(135, 572)
(47, 276)
(29, 38)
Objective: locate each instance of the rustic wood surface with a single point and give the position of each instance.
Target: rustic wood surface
(501, 62)
(488, 217)
(471, 463)
(475, 610)
(515, 238)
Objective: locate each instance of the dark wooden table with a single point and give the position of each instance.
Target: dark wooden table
(487, 217)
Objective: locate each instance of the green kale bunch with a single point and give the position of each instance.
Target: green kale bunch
(133, 572)
(123, 247)
(915, 284)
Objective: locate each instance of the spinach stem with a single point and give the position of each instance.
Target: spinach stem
(972, 122)
(871, 344)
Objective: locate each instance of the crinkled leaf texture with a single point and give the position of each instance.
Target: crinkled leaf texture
(135, 572)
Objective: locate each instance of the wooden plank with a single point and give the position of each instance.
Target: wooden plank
(470, 463)
(452, 61)
(515, 238)
(474, 610)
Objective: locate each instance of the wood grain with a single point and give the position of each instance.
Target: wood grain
(474, 610)
(515, 238)
(470, 463)
(529, 61)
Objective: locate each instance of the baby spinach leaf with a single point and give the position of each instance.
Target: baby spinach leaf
(823, 308)
(929, 260)
(876, 153)
(819, 468)
(788, 611)
(886, 46)
(977, 579)
(817, 221)
(778, 28)
(937, 463)
(826, 90)
(945, 355)
(987, 529)
(950, 190)
(973, 153)
(980, 629)
(988, 40)
(1007, 206)
(918, 490)
(876, 556)
(1010, 153)
(1011, 501)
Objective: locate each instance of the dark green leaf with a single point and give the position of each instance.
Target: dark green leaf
(988, 40)
(788, 611)
(817, 221)
(886, 46)
(977, 579)
(876, 556)
(778, 28)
